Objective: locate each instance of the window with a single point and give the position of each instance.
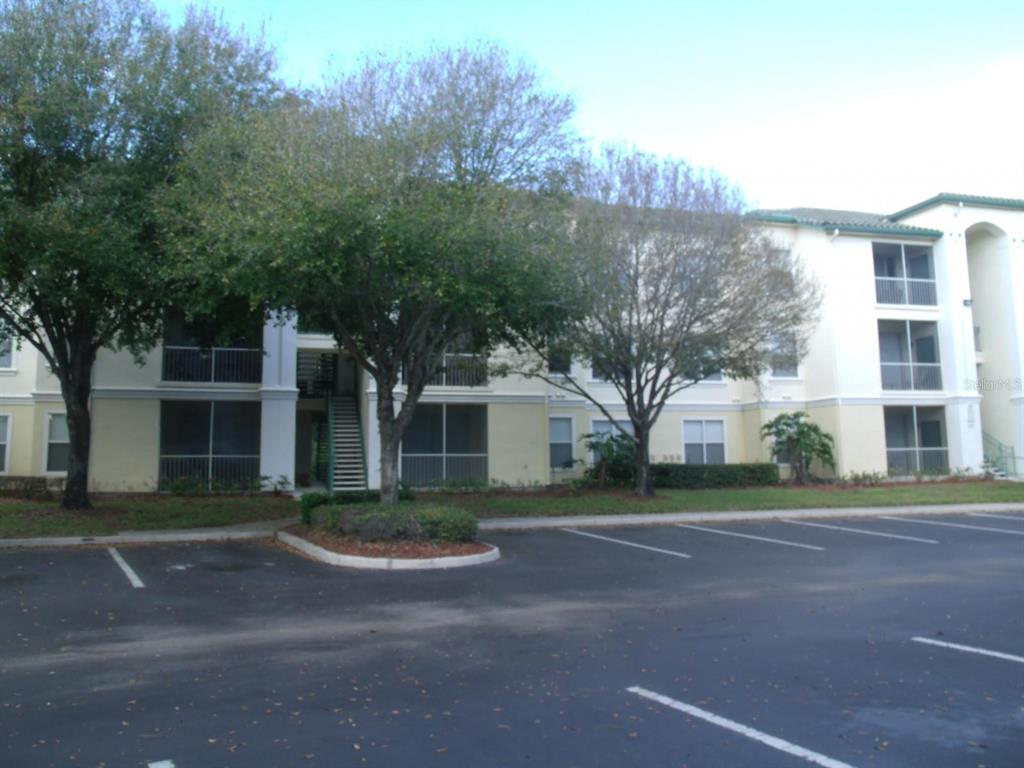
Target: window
(703, 442)
(716, 376)
(211, 444)
(559, 364)
(904, 274)
(5, 439)
(560, 442)
(785, 359)
(445, 443)
(6, 353)
(58, 443)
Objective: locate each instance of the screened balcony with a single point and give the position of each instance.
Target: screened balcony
(915, 440)
(186, 358)
(445, 444)
(909, 352)
(904, 274)
(212, 446)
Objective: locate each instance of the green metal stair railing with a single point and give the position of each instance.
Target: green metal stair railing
(1000, 457)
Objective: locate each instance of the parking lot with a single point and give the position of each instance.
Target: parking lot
(867, 642)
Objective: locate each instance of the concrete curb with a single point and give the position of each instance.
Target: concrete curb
(261, 530)
(667, 518)
(385, 563)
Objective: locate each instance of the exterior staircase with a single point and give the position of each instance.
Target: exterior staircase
(348, 464)
(1001, 460)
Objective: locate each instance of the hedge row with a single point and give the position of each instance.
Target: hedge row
(694, 476)
(404, 522)
(312, 500)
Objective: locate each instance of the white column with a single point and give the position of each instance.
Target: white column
(278, 395)
(963, 433)
(372, 438)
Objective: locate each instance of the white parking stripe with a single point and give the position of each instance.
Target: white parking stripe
(744, 730)
(1016, 519)
(970, 649)
(748, 536)
(133, 577)
(861, 530)
(951, 525)
(625, 543)
(162, 764)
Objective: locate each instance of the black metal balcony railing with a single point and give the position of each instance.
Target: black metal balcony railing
(212, 473)
(461, 370)
(423, 470)
(225, 365)
(909, 461)
(905, 290)
(912, 376)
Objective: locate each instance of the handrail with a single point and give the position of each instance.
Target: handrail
(330, 443)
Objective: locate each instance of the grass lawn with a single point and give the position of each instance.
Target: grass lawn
(114, 513)
(550, 503)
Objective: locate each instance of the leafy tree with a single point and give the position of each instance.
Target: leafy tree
(411, 206)
(97, 100)
(799, 442)
(669, 283)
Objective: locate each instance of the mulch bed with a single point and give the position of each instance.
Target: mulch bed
(349, 545)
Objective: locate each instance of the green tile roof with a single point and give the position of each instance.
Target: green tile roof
(849, 222)
(950, 198)
(862, 223)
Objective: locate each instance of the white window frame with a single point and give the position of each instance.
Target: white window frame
(6, 468)
(799, 370)
(704, 442)
(572, 442)
(13, 367)
(46, 445)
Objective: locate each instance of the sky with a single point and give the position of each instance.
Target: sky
(869, 105)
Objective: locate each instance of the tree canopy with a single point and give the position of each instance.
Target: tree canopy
(669, 283)
(98, 100)
(412, 205)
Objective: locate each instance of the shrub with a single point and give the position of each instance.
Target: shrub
(447, 523)
(696, 476)
(799, 443)
(311, 501)
(865, 478)
(399, 523)
(24, 487)
(614, 458)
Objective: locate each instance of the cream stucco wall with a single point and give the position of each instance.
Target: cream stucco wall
(22, 451)
(125, 445)
(517, 443)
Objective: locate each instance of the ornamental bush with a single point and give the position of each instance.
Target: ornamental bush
(696, 476)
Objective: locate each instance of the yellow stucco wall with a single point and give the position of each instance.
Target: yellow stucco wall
(517, 443)
(22, 446)
(125, 445)
(860, 438)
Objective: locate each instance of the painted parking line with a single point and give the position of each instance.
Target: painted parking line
(162, 764)
(1015, 518)
(861, 530)
(749, 536)
(133, 577)
(970, 649)
(626, 543)
(951, 525)
(744, 730)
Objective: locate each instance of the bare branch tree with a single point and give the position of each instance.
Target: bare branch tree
(672, 284)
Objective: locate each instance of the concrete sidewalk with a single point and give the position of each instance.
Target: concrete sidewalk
(258, 530)
(665, 518)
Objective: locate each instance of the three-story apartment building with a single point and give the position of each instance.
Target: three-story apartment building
(915, 366)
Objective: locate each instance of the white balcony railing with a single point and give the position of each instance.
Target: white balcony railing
(905, 290)
(226, 365)
(461, 370)
(912, 376)
(908, 461)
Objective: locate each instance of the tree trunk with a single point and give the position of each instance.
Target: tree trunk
(76, 386)
(644, 480)
(390, 441)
